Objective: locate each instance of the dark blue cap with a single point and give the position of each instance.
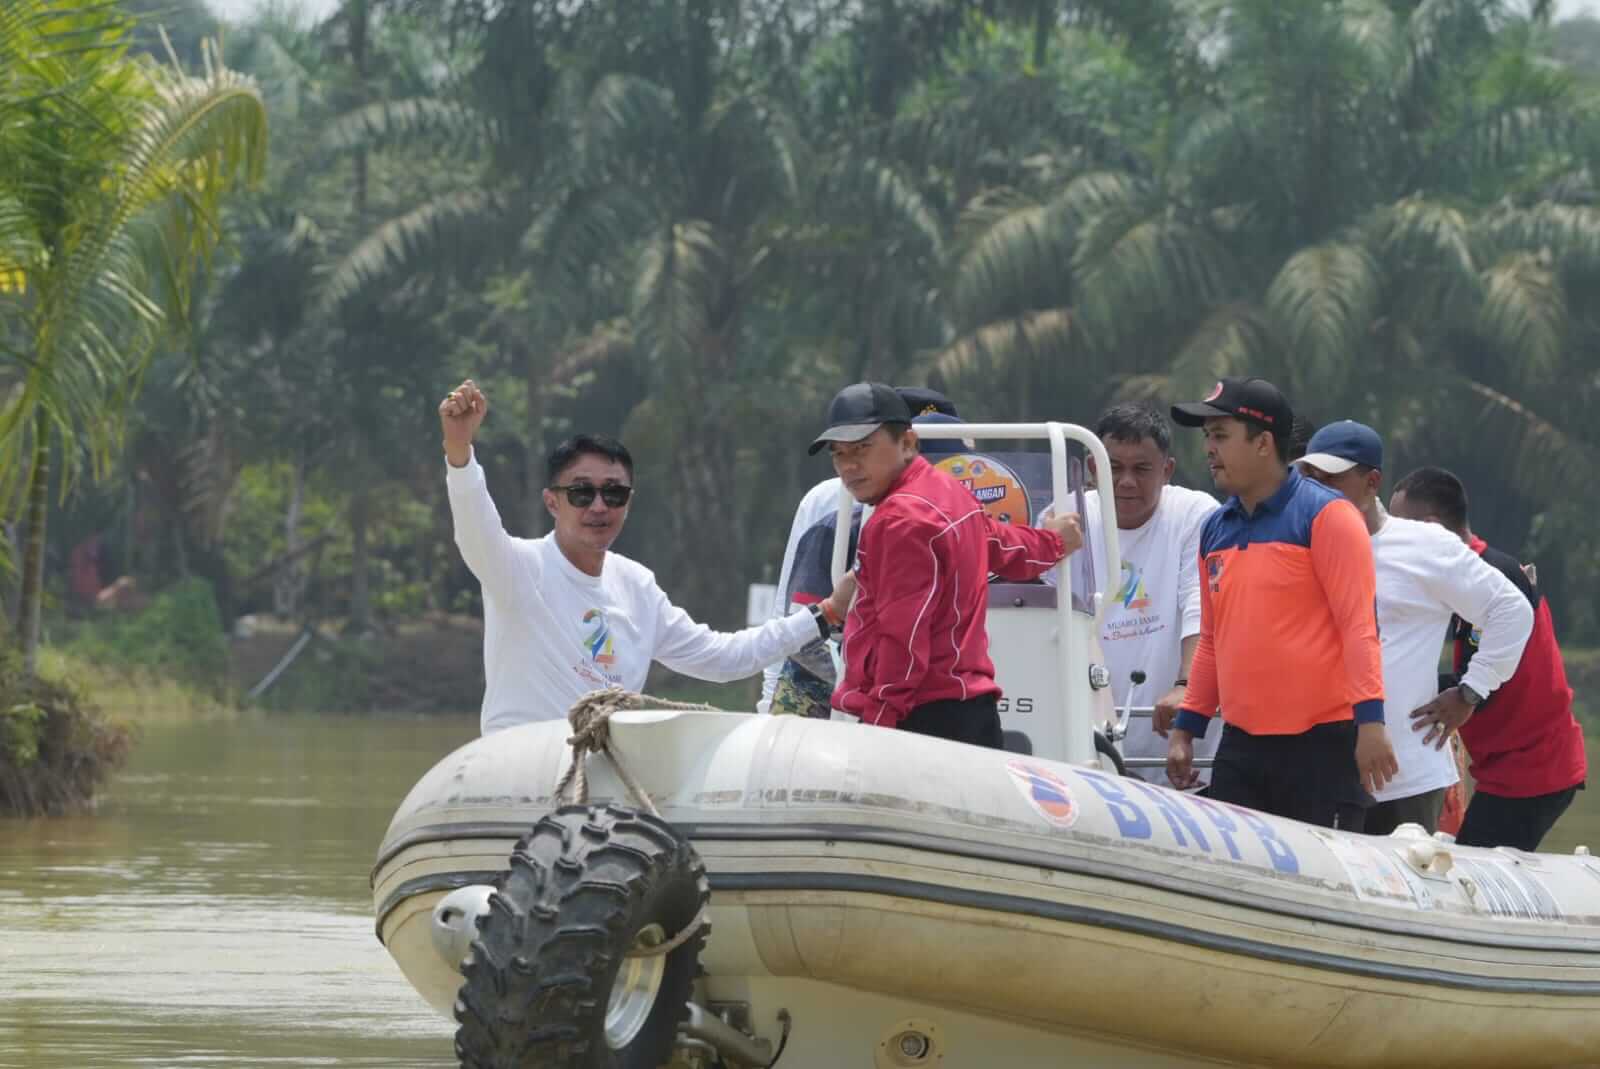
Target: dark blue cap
(938, 447)
(1340, 446)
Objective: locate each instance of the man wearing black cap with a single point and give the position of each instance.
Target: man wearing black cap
(916, 644)
(1289, 649)
(803, 684)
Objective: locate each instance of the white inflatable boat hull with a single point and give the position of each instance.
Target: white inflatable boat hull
(1027, 913)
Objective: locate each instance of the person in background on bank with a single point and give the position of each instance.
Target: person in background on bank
(563, 615)
(916, 643)
(1289, 647)
(803, 684)
(1153, 619)
(1425, 576)
(1526, 747)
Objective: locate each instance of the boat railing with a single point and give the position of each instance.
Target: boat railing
(1146, 712)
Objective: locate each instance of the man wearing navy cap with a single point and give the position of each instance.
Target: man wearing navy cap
(1425, 575)
(916, 643)
(1288, 653)
(803, 684)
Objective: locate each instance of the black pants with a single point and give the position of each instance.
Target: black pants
(1310, 777)
(1494, 820)
(1423, 809)
(975, 721)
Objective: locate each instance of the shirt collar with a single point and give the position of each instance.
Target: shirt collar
(1277, 502)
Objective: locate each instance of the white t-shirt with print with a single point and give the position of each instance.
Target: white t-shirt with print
(552, 633)
(1426, 574)
(1150, 610)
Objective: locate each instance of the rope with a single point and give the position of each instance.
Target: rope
(590, 717)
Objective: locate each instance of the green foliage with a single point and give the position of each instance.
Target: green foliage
(180, 634)
(56, 750)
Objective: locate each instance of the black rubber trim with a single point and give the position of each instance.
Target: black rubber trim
(1085, 915)
(855, 833)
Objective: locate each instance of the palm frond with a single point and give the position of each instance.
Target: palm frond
(1009, 343)
(1375, 33)
(1234, 339)
(1437, 32)
(627, 120)
(434, 237)
(863, 185)
(1524, 313)
(1020, 255)
(680, 281)
(1426, 250)
(395, 122)
(759, 147)
(1324, 301)
(1136, 264)
(1569, 234)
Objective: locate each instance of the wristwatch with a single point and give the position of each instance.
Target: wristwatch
(822, 621)
(1470, 696)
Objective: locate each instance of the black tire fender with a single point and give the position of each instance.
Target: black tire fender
(581, 888)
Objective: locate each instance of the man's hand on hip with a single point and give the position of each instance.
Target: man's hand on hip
(1442, 717)
(1375, 757)
(460, 415)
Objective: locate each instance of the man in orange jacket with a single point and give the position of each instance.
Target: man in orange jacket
(1289, 648)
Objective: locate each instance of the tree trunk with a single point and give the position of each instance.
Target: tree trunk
(1043, 22)
(360, 596)
(31, 602)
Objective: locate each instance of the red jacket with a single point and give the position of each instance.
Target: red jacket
(917, 632)
(1524, 741)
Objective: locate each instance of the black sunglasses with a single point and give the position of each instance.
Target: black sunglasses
(581, 495)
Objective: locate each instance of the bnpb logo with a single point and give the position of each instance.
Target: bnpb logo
(1045, 791)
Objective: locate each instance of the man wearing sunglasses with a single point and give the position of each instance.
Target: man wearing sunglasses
(563, 615)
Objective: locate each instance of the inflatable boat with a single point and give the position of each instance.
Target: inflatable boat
(812, 894)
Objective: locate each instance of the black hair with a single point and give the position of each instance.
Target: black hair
(579, 445)
(1283, 443)
(1438, 491)
(1133, 423)
(1300, 438)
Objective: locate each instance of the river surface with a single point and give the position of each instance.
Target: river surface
(215, 910)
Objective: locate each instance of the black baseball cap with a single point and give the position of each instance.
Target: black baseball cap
(858, 410)
(1253, 399)
(925, 402)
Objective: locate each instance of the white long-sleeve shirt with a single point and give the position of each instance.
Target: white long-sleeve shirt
(552, 633)
(1425, 574)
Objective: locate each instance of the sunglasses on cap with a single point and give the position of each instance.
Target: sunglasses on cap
(581, 495)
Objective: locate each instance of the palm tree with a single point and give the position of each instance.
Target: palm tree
(113, 171)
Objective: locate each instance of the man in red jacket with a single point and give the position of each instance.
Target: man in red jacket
(1526, 746)
(916, 643)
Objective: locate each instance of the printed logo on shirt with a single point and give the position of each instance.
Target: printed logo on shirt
(1132, 594)
(1214, 565)
(993, 485)
(598, 640)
